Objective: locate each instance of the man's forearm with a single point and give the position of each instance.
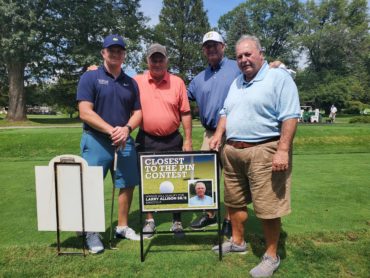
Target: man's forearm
(187, 125)
(135, 119)
(90, 117)
(288, 130)
(221, 127)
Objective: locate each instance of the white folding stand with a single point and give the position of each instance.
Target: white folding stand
(70, 197)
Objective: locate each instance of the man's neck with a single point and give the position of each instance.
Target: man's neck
(113, 70)
(216, 65)
(157, 79)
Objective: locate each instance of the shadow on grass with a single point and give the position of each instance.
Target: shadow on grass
(55, 121)
(254, 235)
(73, 241)
(166, 240)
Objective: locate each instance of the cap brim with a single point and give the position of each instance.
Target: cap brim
(115, 44)
(151, 54)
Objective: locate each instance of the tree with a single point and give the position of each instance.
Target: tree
(45, 39)
(337, 41)
(3, 87)
(274, 22)
(182, 25)
(236, 24)
(340, 24)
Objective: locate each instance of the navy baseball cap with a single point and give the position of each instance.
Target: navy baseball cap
(114, 40)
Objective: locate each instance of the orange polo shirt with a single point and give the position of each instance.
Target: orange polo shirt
(162, 104)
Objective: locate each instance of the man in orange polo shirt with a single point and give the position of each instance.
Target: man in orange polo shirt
(165, 106)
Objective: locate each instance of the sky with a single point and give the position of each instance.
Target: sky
(215, 9)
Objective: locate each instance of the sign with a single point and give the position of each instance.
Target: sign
(179, 181)
(66, 200)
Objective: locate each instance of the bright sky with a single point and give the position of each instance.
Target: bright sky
(215, 9)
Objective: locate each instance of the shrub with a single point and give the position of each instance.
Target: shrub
(360, 119)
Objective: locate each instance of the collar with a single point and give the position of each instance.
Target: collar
(121, 75)
(220, 65)
(259, 76)
(165, 79)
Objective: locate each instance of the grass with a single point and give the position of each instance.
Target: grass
(327, 234)
(41, 120)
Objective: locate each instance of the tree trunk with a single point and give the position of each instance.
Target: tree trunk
(17, 99)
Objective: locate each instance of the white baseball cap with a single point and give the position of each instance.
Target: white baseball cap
(213, 36)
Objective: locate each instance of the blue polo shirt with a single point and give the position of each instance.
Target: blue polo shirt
(255, 110)
(209, 89)
(114, 98)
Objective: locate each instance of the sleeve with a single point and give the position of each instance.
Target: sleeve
(86, 87)
(191, 90)
(184, 101)
(137, 104)
(288, 103)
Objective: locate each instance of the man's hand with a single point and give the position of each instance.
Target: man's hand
(275, 64)
(119, 135)
(280, 161)
(215, 143)
(92, 67)
(187, 146)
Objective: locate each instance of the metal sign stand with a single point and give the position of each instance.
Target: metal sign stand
(219, 233)
(69, 162)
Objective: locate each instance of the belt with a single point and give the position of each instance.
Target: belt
(244, 145)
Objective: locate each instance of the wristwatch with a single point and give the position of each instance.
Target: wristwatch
(129, 128)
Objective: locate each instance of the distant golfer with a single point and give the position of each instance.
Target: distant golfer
(333, 112)
(109, 105)
(201, 199)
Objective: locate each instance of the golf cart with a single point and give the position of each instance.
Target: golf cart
(309, 115)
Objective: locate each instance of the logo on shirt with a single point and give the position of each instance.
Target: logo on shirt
(103, 82)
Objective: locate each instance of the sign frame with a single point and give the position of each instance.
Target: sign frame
(215, 188)
(163, 173)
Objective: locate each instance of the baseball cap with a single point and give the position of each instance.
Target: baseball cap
(156, 48)
(213, 36)
(113, 40)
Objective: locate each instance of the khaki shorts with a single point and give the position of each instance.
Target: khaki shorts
(249, 179)
(207, 136)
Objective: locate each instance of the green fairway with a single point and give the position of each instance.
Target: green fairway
(327, 234)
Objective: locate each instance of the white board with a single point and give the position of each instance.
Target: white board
(69, 196)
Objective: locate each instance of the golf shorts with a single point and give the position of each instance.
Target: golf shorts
(249, 179)
(207, 136)
(97, 150)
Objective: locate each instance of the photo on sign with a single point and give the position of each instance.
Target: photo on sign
(200, 193)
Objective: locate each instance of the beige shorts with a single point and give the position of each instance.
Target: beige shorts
(249, 179)
(207, 136)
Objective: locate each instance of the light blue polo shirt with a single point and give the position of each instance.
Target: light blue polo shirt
(255, 110)
(196, 201)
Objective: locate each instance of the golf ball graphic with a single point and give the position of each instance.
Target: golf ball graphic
(166, 187)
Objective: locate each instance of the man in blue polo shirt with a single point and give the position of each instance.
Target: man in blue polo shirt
(109, 106)
(259, 117)
(209, 89)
